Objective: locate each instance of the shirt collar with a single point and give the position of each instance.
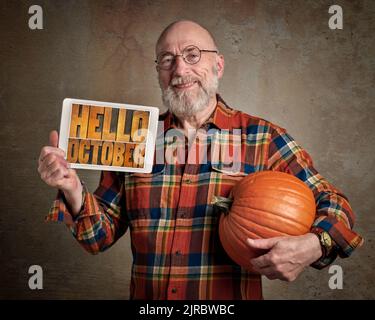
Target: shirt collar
(220, 117)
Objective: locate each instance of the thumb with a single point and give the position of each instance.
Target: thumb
(53, 138)
(262, 243)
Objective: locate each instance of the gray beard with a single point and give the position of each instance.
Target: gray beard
(187, 104)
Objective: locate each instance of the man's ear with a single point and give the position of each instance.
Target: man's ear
(220, 63)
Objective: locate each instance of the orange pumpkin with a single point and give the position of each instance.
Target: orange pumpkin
(265, 204)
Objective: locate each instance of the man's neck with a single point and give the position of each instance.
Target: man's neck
(196, 121)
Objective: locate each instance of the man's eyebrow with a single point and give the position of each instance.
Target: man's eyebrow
(163, 53)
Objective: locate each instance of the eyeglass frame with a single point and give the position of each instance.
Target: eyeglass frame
(182, 55)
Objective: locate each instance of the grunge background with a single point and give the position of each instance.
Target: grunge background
(283, 63)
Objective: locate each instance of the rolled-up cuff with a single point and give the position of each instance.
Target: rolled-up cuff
(345, 240)
(60, 211)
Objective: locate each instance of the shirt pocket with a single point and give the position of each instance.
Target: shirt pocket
(223, 179)
(229, 171)
(157, 171)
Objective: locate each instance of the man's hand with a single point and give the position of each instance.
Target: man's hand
(54, 171)
(287, 256)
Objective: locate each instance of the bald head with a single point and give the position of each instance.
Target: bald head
(185, 32)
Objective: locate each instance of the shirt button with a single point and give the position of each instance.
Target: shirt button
(178, 252)
(174, 290)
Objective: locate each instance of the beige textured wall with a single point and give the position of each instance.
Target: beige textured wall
(283, 63)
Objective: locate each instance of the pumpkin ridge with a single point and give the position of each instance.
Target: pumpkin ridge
(290, 191)
(277, 176)
(278, 227)
(298, 205)
(240, 226)
(259, 214)
(237, 258)
(271, 213)
(248, 232)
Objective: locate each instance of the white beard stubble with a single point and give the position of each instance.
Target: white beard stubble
(186, 103)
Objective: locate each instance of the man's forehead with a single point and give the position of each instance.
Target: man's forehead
(179, 45)
(183, 34)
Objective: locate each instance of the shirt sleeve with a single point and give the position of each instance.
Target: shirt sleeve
(102, 219)
(333, 211)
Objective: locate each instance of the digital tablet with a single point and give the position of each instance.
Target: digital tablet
(108, 136)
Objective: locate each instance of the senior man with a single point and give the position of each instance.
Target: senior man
(173, 226)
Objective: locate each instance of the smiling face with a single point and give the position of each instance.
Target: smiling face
(188, 88)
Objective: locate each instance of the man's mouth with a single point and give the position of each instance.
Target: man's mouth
(185, 85)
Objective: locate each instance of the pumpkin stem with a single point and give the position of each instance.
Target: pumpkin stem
(222, 203)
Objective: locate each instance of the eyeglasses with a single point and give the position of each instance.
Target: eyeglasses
(191, 55)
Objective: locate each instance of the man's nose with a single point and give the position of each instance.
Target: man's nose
(179, 66)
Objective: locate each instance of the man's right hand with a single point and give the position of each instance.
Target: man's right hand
(54, 170)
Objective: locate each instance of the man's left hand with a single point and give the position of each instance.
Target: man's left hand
(287, 256)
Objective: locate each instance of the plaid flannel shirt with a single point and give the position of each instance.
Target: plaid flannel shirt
(173, 225)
